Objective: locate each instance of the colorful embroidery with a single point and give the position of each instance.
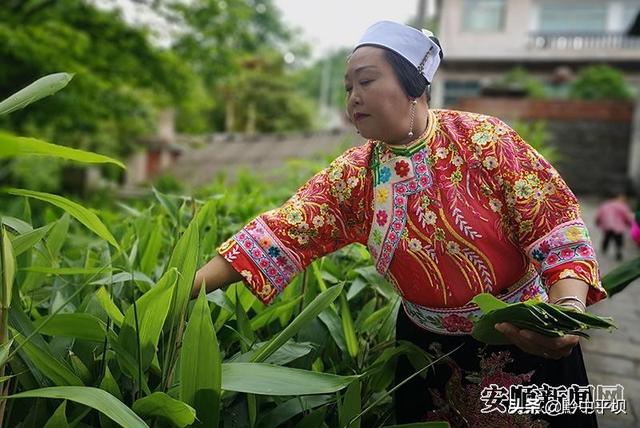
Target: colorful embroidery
(468, 208)
(457, 321)
(417, 178)
(459, 403)
(265, 250)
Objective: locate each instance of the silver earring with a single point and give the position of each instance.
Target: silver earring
(413, 116)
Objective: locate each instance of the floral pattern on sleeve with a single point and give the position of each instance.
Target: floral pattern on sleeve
(541, 212)
(328, 212)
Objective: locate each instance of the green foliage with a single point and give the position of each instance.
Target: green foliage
(620, 277)
(600, 82)
(262, 97)
(519, 79)
(536, 135)
(68, 290)
(541, 317)
(200, 365)
(93, 397)
(121, 79)
(332, 66)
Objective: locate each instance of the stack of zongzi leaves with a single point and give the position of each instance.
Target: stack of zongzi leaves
(535, 315)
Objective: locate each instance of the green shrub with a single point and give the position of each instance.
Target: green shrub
(600, 82)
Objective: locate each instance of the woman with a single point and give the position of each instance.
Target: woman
(450, 205)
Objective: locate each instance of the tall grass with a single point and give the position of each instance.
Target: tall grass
(97, 328)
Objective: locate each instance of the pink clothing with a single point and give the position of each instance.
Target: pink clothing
(635, 233)
(614, 215)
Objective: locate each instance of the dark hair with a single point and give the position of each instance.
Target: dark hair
(413, 83)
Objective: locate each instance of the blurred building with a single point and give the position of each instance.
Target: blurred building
(552, 39)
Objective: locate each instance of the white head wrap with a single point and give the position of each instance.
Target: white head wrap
(415, 46)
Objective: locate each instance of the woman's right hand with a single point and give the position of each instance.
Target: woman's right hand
(217, 273)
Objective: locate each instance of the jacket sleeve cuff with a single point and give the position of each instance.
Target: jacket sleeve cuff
(262, 260)
(567, 252)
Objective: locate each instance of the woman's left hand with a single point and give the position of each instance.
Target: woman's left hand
(537, 344)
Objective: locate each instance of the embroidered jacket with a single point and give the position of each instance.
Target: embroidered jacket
(468, 208)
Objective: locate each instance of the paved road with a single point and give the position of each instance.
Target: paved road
(614, 358)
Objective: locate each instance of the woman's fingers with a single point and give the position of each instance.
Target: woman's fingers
(513, 334)
(537, 344)
(557, 345)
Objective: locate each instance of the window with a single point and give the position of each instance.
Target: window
(630, 14)
(455, 90)
(572, 18)
(483, 15)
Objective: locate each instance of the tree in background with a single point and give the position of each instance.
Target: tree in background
(261, 97)
(519, 81)
(323, 80)
(600, 82)
(121, 82)
(123, 79)
(237, 47)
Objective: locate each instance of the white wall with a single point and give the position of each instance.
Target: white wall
(521, 19)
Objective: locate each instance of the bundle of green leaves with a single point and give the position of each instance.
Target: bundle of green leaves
(535, 315)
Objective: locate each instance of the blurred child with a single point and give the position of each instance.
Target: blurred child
(614, 218)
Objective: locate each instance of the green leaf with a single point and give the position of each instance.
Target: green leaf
(25, 242)
(59, 373)
(65, 271)
(185, 259)
(123, 277)
(78, 325)
(59, 418)
(127, 363)
(102, 296)
(200, 370)
(169, 206)
(79, 368)
(318, 305)
(161, 405)
(152, 309)
(152, 249)
(19, 226)
(244, 328)
(313, 420)
(13, 146)
(57, 236)
(290, 408)
(80, 213)
(6, 378)
(351, 405)
(619, 278)
(43, 87)
(332, 321)
(357, 286)
(267, 379)
(284, 355)
(534, 315)
(488, 302)
(273, 312)
(347, 326)
(5, 349)
(95, 398)
(375, 318)
(219, 298)
(318, 276)
(109, 384)
(7, 267)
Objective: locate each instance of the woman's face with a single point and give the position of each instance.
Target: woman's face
(376, 103)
